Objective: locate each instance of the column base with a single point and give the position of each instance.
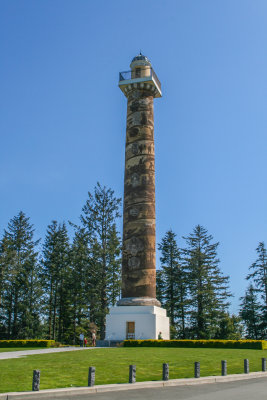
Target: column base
(148, 322)
(138, 301)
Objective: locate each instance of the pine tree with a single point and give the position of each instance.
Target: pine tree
(173, 283)
(259, 277)
(208, 287)
(99, 218)
(6, 256)
(83, 282)
(56, 281)
(230, 328)
(20, 288)
(113, 265)
(250, 313)
(159, 286)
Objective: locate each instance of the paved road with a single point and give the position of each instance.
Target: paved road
(22, 353)
(254, 389)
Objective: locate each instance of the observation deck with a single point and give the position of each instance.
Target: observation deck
(142, 78)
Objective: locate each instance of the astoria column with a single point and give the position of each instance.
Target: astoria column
(139, 243)
(138, 314)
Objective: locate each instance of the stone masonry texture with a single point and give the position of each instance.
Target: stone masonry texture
(138, 263)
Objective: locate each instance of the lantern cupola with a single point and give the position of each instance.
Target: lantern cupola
(141, 76)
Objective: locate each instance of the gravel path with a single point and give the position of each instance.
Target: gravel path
(17, 354)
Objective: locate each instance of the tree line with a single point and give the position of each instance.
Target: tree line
(63, 287)
(66, 287)
(191, 286)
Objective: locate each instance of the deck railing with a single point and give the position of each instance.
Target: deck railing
(137, 73)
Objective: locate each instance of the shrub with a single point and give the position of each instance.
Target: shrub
(230, 344)
(27, 343)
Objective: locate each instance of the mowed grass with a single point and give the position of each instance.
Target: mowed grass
(68, 369)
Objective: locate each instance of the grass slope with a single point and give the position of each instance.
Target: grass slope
(112, 365)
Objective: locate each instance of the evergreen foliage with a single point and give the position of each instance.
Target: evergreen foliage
(172, 281)
(230, 328)
(99, 221)
(208, 288)
(159, 286)
(250, 313)
(19, 288)
(192, 288)
(82, 283)
(70, 288)
(259, 277)
(56, 281)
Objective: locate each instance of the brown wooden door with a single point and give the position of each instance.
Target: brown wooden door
(130, 330)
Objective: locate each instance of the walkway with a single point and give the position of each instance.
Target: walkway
(23, 353)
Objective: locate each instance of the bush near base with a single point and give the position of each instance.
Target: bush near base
(228, 344)
(27, 343)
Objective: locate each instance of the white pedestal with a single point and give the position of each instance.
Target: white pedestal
(149, 321)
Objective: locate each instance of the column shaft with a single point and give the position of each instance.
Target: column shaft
(139, 264)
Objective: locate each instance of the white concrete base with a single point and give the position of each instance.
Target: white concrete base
(149, 321)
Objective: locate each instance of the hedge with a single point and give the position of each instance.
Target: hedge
(27, 343)
(229, 344)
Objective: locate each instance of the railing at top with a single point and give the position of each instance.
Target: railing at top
(139, 73)
(125, 75)
(154, 75)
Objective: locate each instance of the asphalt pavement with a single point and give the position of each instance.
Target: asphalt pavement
(249, 389)
(241, 390)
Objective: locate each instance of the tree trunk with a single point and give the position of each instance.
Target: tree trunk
(50, 311)
(54, 314)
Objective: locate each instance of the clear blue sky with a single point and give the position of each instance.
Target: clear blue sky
(62, 115)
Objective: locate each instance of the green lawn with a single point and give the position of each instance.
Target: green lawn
(71, 368)
(5, 349)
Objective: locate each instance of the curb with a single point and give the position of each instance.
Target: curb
(60, 393)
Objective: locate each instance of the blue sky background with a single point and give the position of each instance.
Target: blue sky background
(62, 118)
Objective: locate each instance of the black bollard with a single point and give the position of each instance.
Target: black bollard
(263, 364)
(246, 366)
(165, 372)
(224, 367)
(36, 380)
(132, 373)
(197, 369)
(91, 376)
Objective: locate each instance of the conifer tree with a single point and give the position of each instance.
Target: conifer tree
(230, 327)
(6, 256)
(20, 288)
(83, 287)
(259, 277)
(207, 286)
(79, 270)
(113, 265)
(56, 281)
(173, 282)
(159, 286)
(99, 220)
(250, 313)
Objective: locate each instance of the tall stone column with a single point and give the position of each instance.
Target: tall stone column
(139, 243)
(138, 314)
